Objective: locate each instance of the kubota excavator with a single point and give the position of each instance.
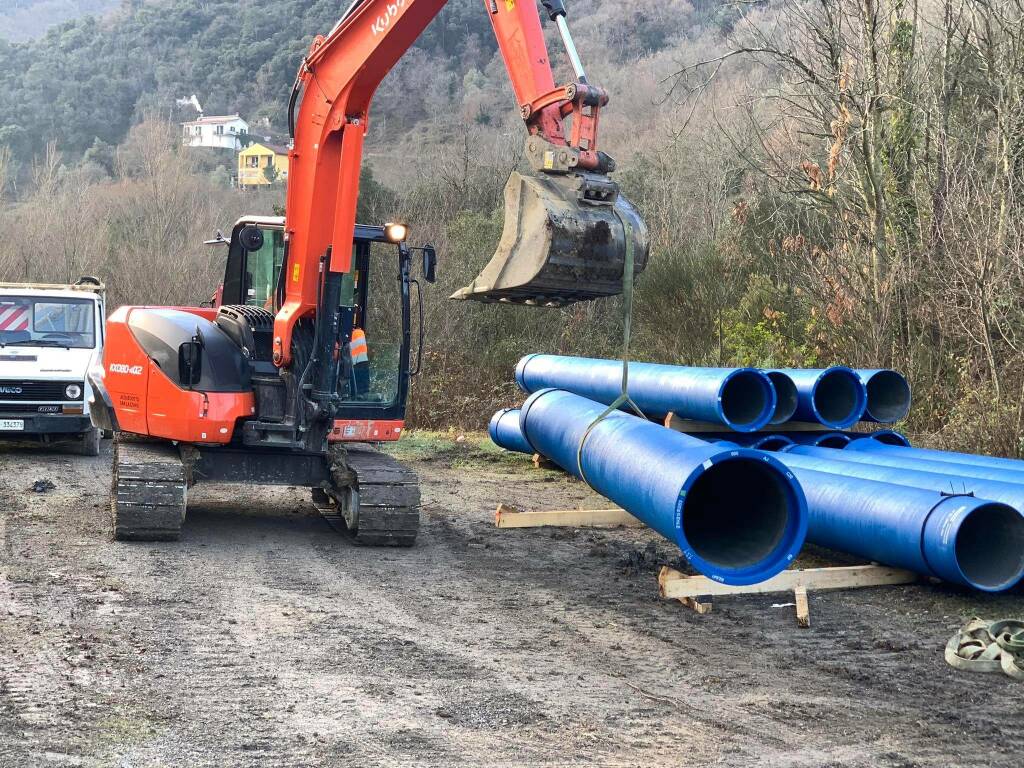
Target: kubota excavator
(252, 390)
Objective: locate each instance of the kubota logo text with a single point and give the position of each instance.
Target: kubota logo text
(133, 370)
(381, 23)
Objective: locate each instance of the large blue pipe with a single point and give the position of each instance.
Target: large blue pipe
(956, 472)
(742, 399)
(888, 395)
(946, 457)
(950, 537)
(886, 436)
(761, 441)
(835, 397)
(505, 432)
(737, 514)
(787, 399)
(990, 556)
(819, 439)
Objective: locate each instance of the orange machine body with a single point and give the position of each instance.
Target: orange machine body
(338, 79)
(148, 402)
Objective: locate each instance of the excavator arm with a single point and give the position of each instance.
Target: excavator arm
(568, 230)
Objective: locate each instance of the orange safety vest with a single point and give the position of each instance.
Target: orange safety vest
(357, 347)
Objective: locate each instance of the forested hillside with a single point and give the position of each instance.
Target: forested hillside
(25, 19)
(92, 79)
(825, 181)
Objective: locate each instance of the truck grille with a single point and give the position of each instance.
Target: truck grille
(34, 391)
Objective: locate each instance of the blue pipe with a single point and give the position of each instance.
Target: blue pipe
(890, 459)
(759, 441)
(505, 432)
(888, 395)
(992, 561)
(818, 439)
(736, 514)
(786, 397)
(835, 397)
(742, 399)
(946, 457)
(885, 436)
(950, 537)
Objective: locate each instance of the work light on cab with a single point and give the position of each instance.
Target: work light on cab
(396, 233)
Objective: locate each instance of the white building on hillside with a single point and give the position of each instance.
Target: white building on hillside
(218, 131)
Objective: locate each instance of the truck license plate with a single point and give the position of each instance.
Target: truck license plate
(12, 425)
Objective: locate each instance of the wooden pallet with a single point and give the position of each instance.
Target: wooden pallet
(698, 592)
(510, 517)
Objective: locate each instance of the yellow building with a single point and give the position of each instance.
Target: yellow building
(254, 162)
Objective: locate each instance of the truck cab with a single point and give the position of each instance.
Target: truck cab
(50, 336)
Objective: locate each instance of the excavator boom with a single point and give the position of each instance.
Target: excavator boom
(568, 230)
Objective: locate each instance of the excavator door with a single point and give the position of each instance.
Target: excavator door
(566, 239)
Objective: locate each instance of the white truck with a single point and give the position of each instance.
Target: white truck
(50, 336)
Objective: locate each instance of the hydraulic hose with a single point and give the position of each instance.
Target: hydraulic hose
(736, 514)
(742, 399)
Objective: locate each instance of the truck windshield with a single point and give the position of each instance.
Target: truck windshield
(47, 322)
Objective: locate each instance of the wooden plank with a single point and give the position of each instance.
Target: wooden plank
(702, 606)
(510, 517)
(803, 613)
(542, 462)
(691, 426)
(672, 584)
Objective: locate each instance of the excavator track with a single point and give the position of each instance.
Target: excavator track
(149, 491)
(388, 493)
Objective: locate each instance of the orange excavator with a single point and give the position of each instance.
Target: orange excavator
(254, 390)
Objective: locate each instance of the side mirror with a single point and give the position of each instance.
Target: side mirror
(251, 238)
(190, 363)
(430, 264)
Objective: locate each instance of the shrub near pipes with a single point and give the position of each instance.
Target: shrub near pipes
(737, 514)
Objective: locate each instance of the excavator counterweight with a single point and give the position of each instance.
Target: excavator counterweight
(566, 239)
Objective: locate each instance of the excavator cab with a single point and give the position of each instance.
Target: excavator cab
(373, 386)
(566, 239)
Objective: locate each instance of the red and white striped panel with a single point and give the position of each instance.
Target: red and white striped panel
(15, 317)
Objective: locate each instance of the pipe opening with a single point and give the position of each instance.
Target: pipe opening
(786, 397)
(736, 513)
(990, 546)
(888, 397)
(832, 440)
(889, 437)
(838, 398)
(772, 443)
(746, 398)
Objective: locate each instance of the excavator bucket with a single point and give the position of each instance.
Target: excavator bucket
(566, 239)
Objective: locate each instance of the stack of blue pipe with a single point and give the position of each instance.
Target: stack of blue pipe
(956, 517)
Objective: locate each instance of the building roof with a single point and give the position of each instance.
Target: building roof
(256, 146)
(215, 119)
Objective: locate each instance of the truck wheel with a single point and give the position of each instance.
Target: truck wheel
(89, 444)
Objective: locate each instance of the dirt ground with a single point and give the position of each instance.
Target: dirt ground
(263, 638)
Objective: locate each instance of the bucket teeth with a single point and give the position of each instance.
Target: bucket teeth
(565, 240)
